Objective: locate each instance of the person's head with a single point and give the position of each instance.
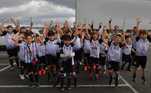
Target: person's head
(37, 38)
(29, 38)
(128, 39)
(66, 24)
(9, 28)
(67, 39)
(28, 28)
(23, 29)
(41, 37)
(143, 34)
(95, 36)
(116, 27)
(78, 28)
(104, 28)
(51, 35)
(68, 33)
(21, 37)
(84, 28)
(117, 39)
(135, 30)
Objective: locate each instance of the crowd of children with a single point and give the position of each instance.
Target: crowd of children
(60, 51)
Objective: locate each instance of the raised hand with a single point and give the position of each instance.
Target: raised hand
(110, 20)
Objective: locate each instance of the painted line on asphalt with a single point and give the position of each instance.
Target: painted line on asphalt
(50, 86)
(129, 85)
(5, 68)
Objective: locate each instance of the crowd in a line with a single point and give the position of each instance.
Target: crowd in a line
(61, 52)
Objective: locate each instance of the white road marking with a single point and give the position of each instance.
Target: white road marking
(5, 68)
(129, 85)
(50, 86)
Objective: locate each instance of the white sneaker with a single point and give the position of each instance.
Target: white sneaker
(22, 77)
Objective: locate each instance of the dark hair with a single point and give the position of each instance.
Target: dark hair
(51, 33)
(126, 37)
(9, 26)
(27, 35)
(66, 37)
(142, 32)
(23, 27)
(119, 35)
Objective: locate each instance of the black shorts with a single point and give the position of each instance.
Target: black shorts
(78, 54)
(102, 60)
(141, 61)
(86, 58)
(22, 63)
(42, 60)
(67, 66)
(133, 54)
(113, 65)
(13, 52)
(29, 67)
(93, 61)
(126, 58)
(52, 60)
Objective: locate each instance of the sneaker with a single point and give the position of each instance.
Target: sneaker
(26, 76)
(21, 77)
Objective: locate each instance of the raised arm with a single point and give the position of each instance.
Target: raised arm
(16, 22)
(137, 24)
(110, 25)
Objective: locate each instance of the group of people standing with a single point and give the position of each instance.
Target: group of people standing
(62, 52)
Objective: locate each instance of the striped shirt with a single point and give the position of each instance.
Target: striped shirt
(30, 52)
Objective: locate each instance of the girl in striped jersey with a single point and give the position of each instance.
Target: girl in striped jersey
(30, 60)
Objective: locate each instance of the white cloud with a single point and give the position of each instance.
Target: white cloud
(38, 7)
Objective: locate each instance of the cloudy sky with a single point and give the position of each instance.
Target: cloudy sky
(40, 10)
(100, 10)
(87, 10)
